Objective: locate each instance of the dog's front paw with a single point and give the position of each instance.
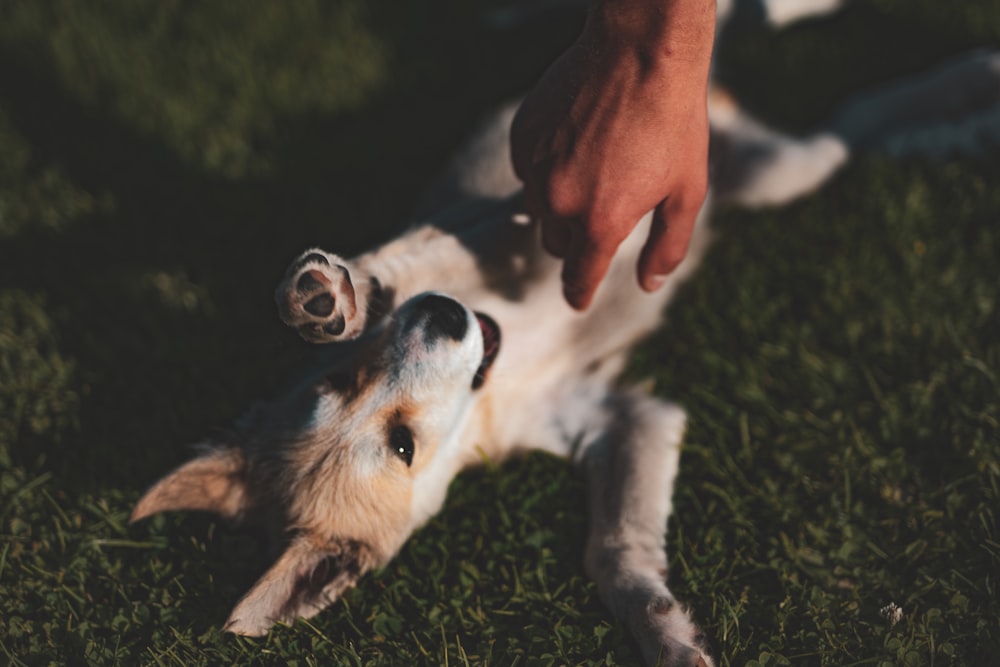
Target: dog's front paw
(323, 297)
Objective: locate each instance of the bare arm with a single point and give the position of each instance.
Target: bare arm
(618, 127)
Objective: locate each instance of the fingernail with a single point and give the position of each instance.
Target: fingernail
(654, 283)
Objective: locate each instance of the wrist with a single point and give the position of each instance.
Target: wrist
(660, 30)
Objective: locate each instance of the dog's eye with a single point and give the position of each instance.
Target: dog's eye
(401, 443)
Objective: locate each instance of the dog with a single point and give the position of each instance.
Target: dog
(452, 344)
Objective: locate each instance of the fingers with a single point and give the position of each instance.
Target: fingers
(586, 255)
(555, 229)
(556, 234)
(585, 265)
(669, 236)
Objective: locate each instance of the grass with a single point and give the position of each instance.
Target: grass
(839, 359)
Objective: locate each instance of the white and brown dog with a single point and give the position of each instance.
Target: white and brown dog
(346, 466)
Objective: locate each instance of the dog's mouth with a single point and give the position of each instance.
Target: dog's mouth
(491, 346)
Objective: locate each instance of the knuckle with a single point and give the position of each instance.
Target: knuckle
(699, 188)
(562, 195)
(609, 222)
(688, 202)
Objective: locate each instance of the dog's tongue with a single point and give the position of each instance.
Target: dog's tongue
(491, 346)
(491, 334)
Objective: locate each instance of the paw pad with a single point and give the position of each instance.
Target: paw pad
(318, 298)
(320, 306)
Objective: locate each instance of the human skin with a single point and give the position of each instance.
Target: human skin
(617, 127)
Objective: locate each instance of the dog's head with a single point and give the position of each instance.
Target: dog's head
(344, 463)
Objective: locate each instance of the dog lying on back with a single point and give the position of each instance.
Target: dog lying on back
(453, 344)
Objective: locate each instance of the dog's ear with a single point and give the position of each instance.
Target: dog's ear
(303, 581)
(213, 482)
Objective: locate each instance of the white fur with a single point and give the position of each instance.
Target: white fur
(353, 501)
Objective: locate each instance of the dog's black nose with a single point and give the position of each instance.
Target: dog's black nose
(444, 316)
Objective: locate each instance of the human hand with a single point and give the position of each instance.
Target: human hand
(617, 127)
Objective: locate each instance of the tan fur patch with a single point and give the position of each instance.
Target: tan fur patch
(334, 495)
(338, 503)
(214, 482)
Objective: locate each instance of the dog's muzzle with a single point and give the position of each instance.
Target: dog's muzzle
(443, 317)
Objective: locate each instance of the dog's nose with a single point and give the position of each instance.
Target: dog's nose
(444, 315)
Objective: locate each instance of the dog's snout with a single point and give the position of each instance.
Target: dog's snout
(444, 315)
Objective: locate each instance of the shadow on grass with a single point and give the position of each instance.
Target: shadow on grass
(158, 364)
(343, 180)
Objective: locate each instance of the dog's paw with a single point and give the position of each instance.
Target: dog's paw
(670, 639)
(323, 297)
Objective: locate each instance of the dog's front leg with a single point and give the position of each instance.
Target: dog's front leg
(327, 298)
(630, 470)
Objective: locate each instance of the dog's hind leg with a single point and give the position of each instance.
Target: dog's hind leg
(952, 109)
(630, 470)
(776, 13)
(754, 165)
(781, 13)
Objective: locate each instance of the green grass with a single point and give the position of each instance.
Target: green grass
(839, 359)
